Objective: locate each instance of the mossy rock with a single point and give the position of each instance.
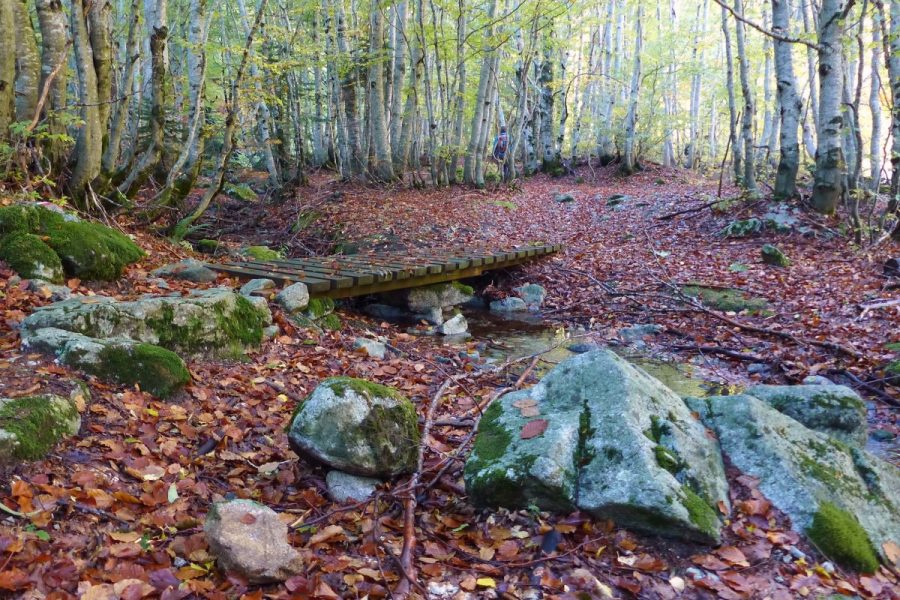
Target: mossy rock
(261, 253)
(214, 322)
(207, 246)
(771, 255)
(840, 537)
(31, 426)
(740, 229)
(30, 257)
(358, 427)
(318, 308)
(86, 250)
(727, 300)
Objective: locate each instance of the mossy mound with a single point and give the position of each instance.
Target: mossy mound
(32, 425)
(86, 250)
(840, 537)
(727, 300)
(771, 255)
(156, 370)
(261, 253)
(30, 257)
(358, 427)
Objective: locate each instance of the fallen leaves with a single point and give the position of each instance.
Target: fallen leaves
(534, 428)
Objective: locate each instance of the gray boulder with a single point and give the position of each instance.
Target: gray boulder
(638, 332)
(508, 305)
(358, 427)
(258, 287)
(843, 498)
(600, 435)
(435, 315)
(344, 487)
(188, 269)
(293, 298)
(771, 255)
(564, 197)
(532, 293)
(427, 298)
(158, 371)
(455, 326)
(372, 348)
(249, 539)
(835, 410)
(215, 321)
(31, 426)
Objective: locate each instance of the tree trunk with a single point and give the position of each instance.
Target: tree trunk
(383, 170)
(89, 144)
(736, 148)
(791, 105)
(629, 163)
(876, 157)
(480, 99)
(349, 96)
(119, 116)
(894, 78)
(459, 97)
(7, 68)
(54, 47)
(749, 175)
(828, 186)
(100, 21)
(549, 151)
(28, 63)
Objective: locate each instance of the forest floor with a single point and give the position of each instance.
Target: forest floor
(118, 511)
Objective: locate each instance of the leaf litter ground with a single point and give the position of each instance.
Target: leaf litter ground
(117, 511)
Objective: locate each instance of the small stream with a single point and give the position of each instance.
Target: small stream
(497, 338)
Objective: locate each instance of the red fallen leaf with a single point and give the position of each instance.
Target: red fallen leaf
(871, 585)
(533, 428)
(627, 584)
(248, 519)
(14, 580)
(645, 562)
(709, 562)
(732, 555)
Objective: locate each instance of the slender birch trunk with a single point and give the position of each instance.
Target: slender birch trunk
(876, 156)
(737, 153)
(382, 168)
(791, 105)
(749, 175)
(480, 99)
(629, 162)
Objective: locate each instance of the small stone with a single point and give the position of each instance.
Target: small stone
(564, 197)
(270, 332)
(455, 326)
(797, 553)
(817, 380)
(344, 487)
(532, 293)
(249, 538)
(188, 269)
(373, 348)
(756, 368)
(508, 305)
(473, 355)
(771, 255)
(617, 199)
(635, 333)
(694, 573)
(581, 347)
(258, 287)
(293, 298)
(883, 435)
(828, 567)
(161, 283)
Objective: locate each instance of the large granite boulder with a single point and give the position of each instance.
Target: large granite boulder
(600, 435)
(31, 425)
(215, 321)
(358, 427)
(156, 370)
(84, 249)
(249, 539)
(835, 410)
(843, 498)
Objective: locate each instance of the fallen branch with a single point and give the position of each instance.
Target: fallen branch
(736, 354)
(881, 394)
(706, 205)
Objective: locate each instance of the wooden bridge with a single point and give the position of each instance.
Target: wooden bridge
(343, 276)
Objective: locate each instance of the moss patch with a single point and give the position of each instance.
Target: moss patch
(262, 253)
(727, 300)
(492, 439)
(30, 257)
(841, 538)
(462, 288)
(86, 250)
(701, 514)
(318, 308)
(37, 423)
(158, 371)
(771, 255)
(330, 322)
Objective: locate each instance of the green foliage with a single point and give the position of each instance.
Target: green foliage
(840, 537)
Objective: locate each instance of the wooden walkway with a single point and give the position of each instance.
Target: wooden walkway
(343, 276)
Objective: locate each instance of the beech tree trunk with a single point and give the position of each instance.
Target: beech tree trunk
(790, 103)
(28, 63)
(629, 163)
(7, 68)
(748, 180)
(828, 186)
(382, 168)
(89, 143)
(737, 153)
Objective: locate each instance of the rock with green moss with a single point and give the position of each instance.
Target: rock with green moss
(357, 427)
(188, 269)
(616, 444)
(156, 370)
(294, 298)
(727, 300)
(261, 253)
(835, 410)
(32, 425)
(771, 255)
(30, 257)
(214, 322)
(805, 473)
(87, 250)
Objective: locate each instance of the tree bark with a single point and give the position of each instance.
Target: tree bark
(828, 186)
(876, 156)
(791, 105)
(28, 63)
(7, 68)
(89, 144)
(749, 176)
(119, 116)
(382, 168)
(100, 22)
(480, 99)
(736, 147)
(629, 163)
